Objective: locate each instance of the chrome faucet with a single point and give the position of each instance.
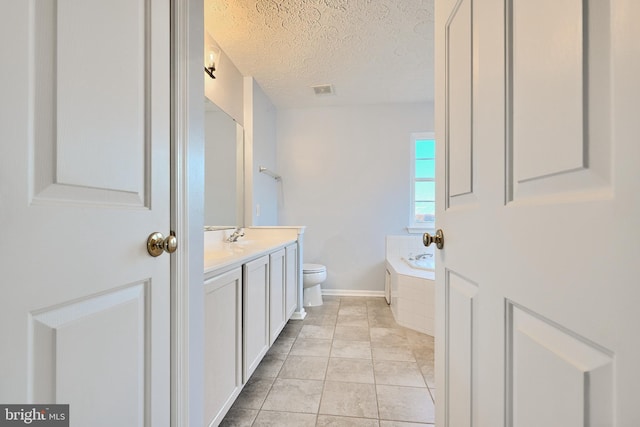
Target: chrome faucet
(237, 233)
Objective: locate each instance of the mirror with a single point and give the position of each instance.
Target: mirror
(223, 169)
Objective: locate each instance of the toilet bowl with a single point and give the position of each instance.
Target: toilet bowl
(313, 275)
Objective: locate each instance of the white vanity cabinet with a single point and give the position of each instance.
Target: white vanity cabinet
(277, 313)
(250, 292)
(291, 280)
(255, 313)
(223, 345)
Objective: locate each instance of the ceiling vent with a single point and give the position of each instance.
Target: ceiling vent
(323, 90)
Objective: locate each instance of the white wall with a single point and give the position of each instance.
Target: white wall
(226, 89)
(260, 150)
(346, 177)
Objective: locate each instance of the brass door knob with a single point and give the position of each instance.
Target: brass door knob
(157, 243)
(438, 239)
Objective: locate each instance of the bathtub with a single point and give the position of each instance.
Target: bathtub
(410, 283)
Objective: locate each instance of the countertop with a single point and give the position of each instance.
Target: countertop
(220, 255)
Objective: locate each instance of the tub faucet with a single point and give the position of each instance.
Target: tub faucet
(237, 233)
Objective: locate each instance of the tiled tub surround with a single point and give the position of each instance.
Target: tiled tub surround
(412, 289)
(348, 363)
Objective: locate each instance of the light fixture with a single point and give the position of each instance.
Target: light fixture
(213, 56)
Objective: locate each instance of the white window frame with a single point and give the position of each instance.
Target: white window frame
(415, 227)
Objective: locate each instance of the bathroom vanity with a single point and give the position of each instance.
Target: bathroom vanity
(252, 287)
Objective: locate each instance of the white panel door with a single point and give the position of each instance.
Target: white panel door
(538, 177)
(84, 179)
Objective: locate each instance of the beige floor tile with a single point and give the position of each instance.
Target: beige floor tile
(383, 322)
(423, 353)
(292, 395)
(352, 301)
(284, 419)
(398, 353)
(379, 311)
(391, 372)
(329, 307)
(418, 338)
(349, 399)
(291, 329)
(253, 393)
(304, 367)
(270, 365)
(351, 333)
(316, 332)
(302, 347)
(426, 366)
(282, 345)
(237, 417)
(422, 348)
(377, 302)
(405, 404)
(350, 370)
(432, 391)
(352, 310)
(387, 337)
(333, 421)
(359, 320)
(363, 345)
(351, 349)
(321, 320)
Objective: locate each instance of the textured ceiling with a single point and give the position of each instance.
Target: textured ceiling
(371, 51)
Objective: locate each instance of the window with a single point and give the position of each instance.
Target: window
(423, 181)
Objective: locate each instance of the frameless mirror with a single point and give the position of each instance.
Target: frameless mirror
(224, 158)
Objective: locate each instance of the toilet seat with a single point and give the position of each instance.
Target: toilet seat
(313, 268)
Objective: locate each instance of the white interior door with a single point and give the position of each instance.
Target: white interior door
(538, 179)
(84, 179)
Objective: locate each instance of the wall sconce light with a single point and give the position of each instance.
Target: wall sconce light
(213, 56)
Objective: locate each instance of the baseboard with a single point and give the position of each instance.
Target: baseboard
(299, 315)
(352, 293)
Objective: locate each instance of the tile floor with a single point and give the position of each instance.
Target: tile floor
(348, 363)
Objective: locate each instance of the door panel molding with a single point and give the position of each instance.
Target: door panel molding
(575, 74)
(548, 366)
(76, 81)
(459, 104)
(460, 327)
(114, 328)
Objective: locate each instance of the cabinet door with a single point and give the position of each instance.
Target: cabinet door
(291, 280)
(255, 313)
(277, 313)
(223, 343)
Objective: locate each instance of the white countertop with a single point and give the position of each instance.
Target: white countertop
(220, 255)
(223, 255)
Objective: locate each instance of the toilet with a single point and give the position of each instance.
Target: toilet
(313, 275)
